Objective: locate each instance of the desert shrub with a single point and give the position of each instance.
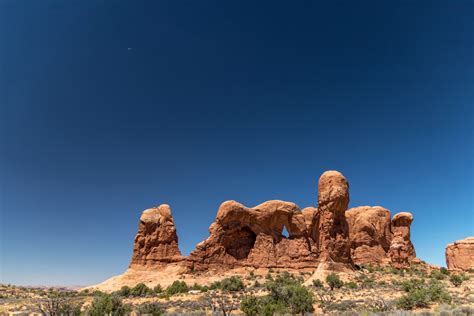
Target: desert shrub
(286, 295)
(250, 305)
(197, 287)
(456, 280)
(443, 270)
(124, 291)
(420, 295)
(158, 289)
(412, 284)
(351, 285)
(295, 300)
(257, 284)
(232, 284)
(437, 275)
(215, 285)
(177, 287)
(333, 281)
(341, 307)
(140, 290)
(318, 284)
(57, 304)
(108, 305)
(153, 309)
(366, 282)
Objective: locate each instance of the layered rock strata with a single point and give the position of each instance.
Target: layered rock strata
(156, 242)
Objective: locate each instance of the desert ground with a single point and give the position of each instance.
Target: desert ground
(419, 289)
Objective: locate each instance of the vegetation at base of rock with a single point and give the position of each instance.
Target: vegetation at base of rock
(456, 280)
(333, 281)
(108, 305)
(351, 285)
(232, 284)
(177, 287)
(317, 283)
(141, 290)
(286, 295)
(422, 295)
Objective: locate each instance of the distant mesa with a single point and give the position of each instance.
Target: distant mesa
(242, 236)
(460, 254)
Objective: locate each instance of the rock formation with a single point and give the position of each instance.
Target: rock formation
(156, 241)
(370, 234)
(401, 249)
(242, 236)
(325, 237)
(460, 254)
(333, 199)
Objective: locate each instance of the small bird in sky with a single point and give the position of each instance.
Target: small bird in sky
(129, 48)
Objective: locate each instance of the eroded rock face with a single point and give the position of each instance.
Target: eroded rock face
(333, 199)
(460, 254)
(401, 249)
(242, 236)
(370, 234)
(156, 241)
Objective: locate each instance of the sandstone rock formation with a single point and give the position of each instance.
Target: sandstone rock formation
(460, 254)
(333, 199)
(370, 234)
(401, 249)
(327, 236)
(156, 242)
(242, 236)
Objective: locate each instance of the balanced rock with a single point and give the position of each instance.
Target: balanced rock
(370, 234)
(460, 254)
(401, 249)
(333, 199)
(156, 241)
(242, 236)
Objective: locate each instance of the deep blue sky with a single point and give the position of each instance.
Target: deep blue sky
(224, 100)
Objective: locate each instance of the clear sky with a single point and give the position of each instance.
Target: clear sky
(112, 107)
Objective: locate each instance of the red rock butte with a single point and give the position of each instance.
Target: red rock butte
(242, 236)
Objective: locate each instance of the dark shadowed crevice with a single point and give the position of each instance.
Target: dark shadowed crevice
(238, 243)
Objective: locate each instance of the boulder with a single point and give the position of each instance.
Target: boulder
(370, 234)
(156, 241)
(401, 249)
(460, 254)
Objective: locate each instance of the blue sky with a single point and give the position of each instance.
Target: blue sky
(109, 108)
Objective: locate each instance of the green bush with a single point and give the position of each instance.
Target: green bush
(124, 291)
(443, 270)
(438, 275)
(198, 287)
(413, 284)
(420, 295)
(351, 285)
(153, 309)
(333, 281)
(286, 295)
(250, 305)
(158, 289)
(108, 305)
(232, 284)
(177, 287)
(318, 284)
(456, 280)
(215, 285)
(140, 290)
